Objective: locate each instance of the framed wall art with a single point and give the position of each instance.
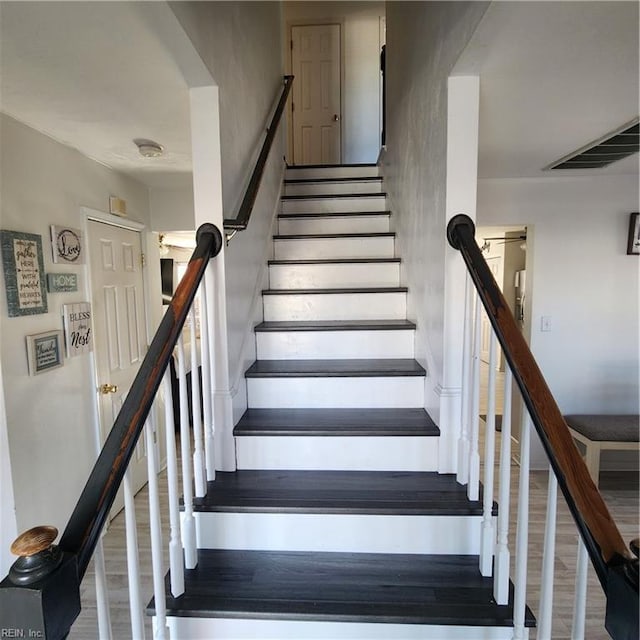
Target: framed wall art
(44, 351)
(24, 279)
(633, 242)
(67, 245)
(77, 328)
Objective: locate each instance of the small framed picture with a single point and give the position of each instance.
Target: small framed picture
(44, 351)
(633, 243)
(67, 245)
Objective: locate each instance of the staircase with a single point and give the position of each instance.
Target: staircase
(336, 524)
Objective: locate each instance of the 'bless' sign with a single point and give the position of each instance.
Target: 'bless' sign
(77, 328)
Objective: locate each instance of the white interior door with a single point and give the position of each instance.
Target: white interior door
(315, 61)
(115, 262)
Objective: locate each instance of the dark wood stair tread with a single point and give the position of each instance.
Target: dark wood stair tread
(338, 492)
(334, 214)
(334, 261)
(331, 166)
(336, 422)
(334, 325)
(323, 236)
(335, 196)
(295, 292)
(348, 587)
(337, 179)
(356, 367)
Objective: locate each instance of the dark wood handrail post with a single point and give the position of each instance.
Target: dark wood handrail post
(40, 598)
(615, 566)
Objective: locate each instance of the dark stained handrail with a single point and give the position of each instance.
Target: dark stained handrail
(90, 514)
(241, 221)
(599, 532)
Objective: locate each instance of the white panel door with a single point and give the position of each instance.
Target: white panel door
(315, 61)
(119, 323)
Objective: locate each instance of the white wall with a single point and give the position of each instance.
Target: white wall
(361, 55)
(582, 278)
(241, 44)
(424, 41)
(50, 416)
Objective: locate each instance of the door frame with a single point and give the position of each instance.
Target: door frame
(312, 22)
(95, 215)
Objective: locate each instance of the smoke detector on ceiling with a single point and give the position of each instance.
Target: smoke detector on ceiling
(148, 148)
(620, 143)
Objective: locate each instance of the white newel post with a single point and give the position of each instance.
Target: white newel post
(208, 207)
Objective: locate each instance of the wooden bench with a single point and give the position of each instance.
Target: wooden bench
(603, 432)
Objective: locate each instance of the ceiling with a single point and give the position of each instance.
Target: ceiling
(96, 75)
(554, 76)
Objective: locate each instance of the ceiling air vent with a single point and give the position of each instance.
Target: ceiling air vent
(610, 148)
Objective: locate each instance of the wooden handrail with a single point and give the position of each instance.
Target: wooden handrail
(241, 221)
(90, 514)
(599, 532)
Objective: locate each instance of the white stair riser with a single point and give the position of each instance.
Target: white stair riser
(242, 629)
(288, 345)
(337, 224)
(311, 173)
(332, 188)
(338, 453)
(338, 275)
(348, 533)
(329, 205)
(326, 248)
(335, 306)
(337, 392)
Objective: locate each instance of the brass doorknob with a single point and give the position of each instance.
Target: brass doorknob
(108, 388)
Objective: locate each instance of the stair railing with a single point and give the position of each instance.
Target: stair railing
(240, 222)
(599, 540)
(40, 598)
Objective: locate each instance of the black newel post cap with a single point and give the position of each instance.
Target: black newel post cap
(455, 224)
(210, 228)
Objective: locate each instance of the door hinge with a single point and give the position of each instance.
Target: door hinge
(291, 45)
(293, 107)
(143, 260)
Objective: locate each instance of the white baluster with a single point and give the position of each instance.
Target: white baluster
(102, 594)
(176, 565)
(205, 345)
(462, 475)
(580, 601)
(133, 567)
(188, 522)
(522, 533)
(548, 558)
(488, 535)
(503, 556)
(155, 527)
(196, 420)
(473, 488)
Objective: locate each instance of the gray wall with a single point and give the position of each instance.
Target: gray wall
(240, 43)
(50, 417)
(424, 40)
